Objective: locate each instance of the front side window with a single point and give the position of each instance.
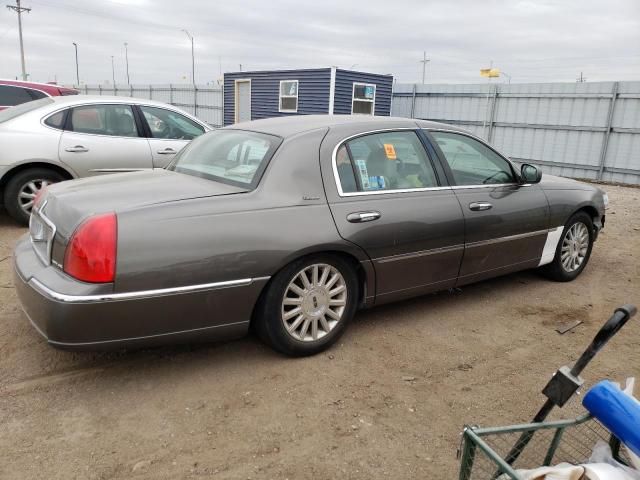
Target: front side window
(288, 96)
(384, 161)
(471, 161)
(235, 157)
(364, 99)
(167, 124)
(113, 120)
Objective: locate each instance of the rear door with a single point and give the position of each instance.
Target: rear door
(387, 196)
(506, 223)
(104, 138)
(168, 132)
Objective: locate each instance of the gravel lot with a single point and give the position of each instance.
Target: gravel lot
(388, 401)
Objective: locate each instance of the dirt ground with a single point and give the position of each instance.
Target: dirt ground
(388, 401)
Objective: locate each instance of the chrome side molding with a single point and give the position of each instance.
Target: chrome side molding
(160, 292)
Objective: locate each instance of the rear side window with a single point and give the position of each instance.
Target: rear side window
(10, 95)
(56, 120)
(112, 120)
(384, 162)
(36, 94)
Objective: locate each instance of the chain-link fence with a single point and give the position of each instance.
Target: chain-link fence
(204, 102)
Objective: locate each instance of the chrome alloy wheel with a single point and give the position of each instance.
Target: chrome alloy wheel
(575, 245)
(314, 302)
(28, 191)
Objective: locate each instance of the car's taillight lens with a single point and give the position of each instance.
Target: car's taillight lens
(91, 252)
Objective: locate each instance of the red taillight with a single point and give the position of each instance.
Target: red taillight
(91, 253)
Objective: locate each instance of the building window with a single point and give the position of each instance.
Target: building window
(288, 96)
(363, 100)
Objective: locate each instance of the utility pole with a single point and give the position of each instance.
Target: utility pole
(193, 61)
(581, 79)
(240, 67)
(424, 62)
(75, 45)
(113, 71)
(18, 9)
(126, 58)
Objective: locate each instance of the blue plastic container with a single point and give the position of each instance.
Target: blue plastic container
(617, 411)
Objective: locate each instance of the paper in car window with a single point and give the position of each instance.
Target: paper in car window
(377, 182)
(390, 151)
(362, 171)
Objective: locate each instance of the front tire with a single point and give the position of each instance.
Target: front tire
(22, 188)
(308, 305)
(573, 250)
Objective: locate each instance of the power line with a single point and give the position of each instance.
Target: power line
(18, 9)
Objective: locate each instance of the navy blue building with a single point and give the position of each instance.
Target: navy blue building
(273, 93)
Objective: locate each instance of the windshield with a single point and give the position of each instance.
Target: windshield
(235, 157)
(13, 112)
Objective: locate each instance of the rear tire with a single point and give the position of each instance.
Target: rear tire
(299, 317)
(573, 250)
(22, 189)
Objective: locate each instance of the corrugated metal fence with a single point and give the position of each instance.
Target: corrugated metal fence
(204, 102)
(580, 130)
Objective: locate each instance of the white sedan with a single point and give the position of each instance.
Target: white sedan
(60, 138)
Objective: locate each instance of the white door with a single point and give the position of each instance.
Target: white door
(243, 100)
(104, 139)
(169, 133)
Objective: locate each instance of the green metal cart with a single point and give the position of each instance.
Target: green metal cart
(498, 452)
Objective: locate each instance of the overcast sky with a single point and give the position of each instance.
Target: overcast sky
(531, 40)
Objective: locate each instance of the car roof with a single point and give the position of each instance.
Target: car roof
(45, 87)
(84, 99)
(290, 125)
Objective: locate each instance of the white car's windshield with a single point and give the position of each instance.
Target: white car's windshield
(236, 157)
(13, 112)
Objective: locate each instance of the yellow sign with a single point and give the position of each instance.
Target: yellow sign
(390, 151)
(489, 72)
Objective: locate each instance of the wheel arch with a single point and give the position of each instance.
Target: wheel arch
(9, 174)
(364, 275)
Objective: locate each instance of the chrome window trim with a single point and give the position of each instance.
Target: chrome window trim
(51, 225)
(336, 176)
(140, 294)
(475, 137)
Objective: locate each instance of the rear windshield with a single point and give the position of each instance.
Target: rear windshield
(13, 112)
(235, 157)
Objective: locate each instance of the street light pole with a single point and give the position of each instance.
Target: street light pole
(75, 45)
(18, 9)
(193, 58)
(113, 71)
(126, 57)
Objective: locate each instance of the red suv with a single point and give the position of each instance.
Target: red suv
(13, 92)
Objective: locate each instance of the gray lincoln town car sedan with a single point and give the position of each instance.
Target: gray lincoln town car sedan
(290, 225)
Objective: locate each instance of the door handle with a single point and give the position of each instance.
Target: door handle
(77, 149)
(360, 217)
(167, 151)
(480, 206)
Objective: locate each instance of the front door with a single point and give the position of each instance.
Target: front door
(386, 197)
(506, 223)
(243, 101)
(103, 139)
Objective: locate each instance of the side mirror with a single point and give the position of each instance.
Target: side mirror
(530, 174)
